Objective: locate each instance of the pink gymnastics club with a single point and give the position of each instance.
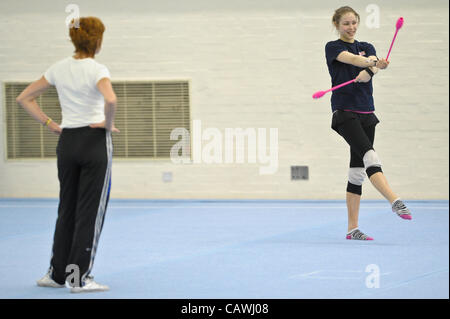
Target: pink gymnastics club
(319, 94)
(397, 27)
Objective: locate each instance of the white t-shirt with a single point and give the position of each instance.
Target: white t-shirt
(76, 81)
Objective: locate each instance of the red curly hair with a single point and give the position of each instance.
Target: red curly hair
(85, 33)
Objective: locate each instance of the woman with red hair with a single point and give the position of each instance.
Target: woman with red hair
(84, 154)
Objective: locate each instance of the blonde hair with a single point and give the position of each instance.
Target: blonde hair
(340, 12)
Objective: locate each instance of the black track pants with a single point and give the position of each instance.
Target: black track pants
(84, 170)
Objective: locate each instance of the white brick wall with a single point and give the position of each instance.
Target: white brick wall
(251, 64)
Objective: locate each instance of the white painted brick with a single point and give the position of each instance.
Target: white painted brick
(250, 64)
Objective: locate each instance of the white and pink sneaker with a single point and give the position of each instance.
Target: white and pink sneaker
(401, 210)
(356, 234)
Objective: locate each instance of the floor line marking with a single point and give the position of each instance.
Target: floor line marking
(234, 207)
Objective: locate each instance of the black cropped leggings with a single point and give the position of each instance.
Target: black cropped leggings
(358, 130)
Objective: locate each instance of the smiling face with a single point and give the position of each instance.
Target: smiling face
(347, 26)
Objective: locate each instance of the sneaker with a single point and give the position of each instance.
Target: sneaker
(89, 286)
(47, 281)
(401, 210)
(356, 234)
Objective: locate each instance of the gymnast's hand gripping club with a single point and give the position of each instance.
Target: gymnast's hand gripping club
(319, 94)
